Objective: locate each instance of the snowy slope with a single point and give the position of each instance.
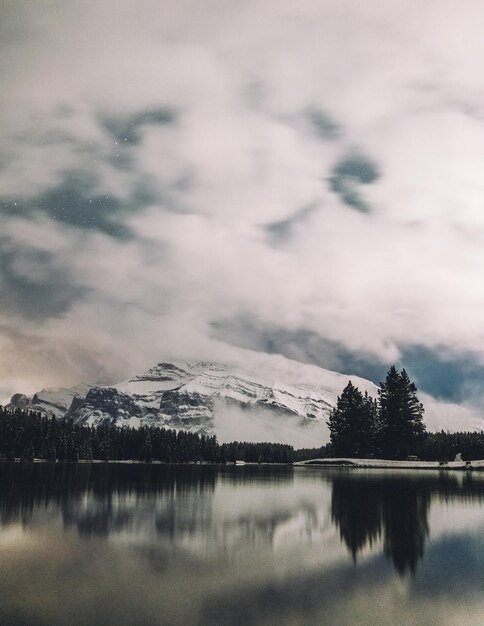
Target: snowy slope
(51, 402)
(259, 397)
(263, 379)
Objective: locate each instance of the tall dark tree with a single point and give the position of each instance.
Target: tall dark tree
(400, 416)
(352, 424)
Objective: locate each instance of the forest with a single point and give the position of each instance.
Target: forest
(28, 435)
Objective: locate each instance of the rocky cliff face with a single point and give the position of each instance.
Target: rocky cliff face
(103, 405)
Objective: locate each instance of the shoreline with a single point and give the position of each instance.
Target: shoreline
(350, 463)
(347, 463)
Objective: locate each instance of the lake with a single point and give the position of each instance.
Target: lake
(129, 544)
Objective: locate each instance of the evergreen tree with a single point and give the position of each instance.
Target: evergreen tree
(400, 416)
(146, 452)
(352, 424)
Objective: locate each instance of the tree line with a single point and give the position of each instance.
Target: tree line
(29, 435)
(443, 446)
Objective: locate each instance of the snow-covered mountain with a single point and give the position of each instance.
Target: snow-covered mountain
(254, 397)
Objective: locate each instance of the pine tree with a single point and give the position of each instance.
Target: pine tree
(352, 424)
(400, 416)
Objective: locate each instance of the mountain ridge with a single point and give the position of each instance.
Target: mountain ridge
(253, 397)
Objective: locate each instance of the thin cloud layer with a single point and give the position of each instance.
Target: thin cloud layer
(316, 168)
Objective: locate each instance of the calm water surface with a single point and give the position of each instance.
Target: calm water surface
(148, 545)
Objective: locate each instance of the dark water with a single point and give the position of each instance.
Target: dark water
(141, 545)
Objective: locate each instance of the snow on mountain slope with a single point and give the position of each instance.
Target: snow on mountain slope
(51, 402)
(253, 396)
(257, 378)
(259, 397)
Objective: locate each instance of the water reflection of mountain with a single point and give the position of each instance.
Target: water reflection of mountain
(394, 509)
(168, 501)
(202, 509)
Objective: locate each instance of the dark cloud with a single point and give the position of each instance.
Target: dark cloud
(281, 231)
(448, 376)
(299, 344)
(347, 174)
(323, 124)
(75, 202)
(121, 160)
(127, 130)
(143, 193)
(33, 284)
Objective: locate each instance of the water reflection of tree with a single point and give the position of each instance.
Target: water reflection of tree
(89, 495)
(394, 510)
(355, 508)
(405, 509)
(99, 499)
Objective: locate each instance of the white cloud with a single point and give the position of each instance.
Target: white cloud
(404, 82)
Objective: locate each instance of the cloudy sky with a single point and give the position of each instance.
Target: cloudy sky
(304, 178)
